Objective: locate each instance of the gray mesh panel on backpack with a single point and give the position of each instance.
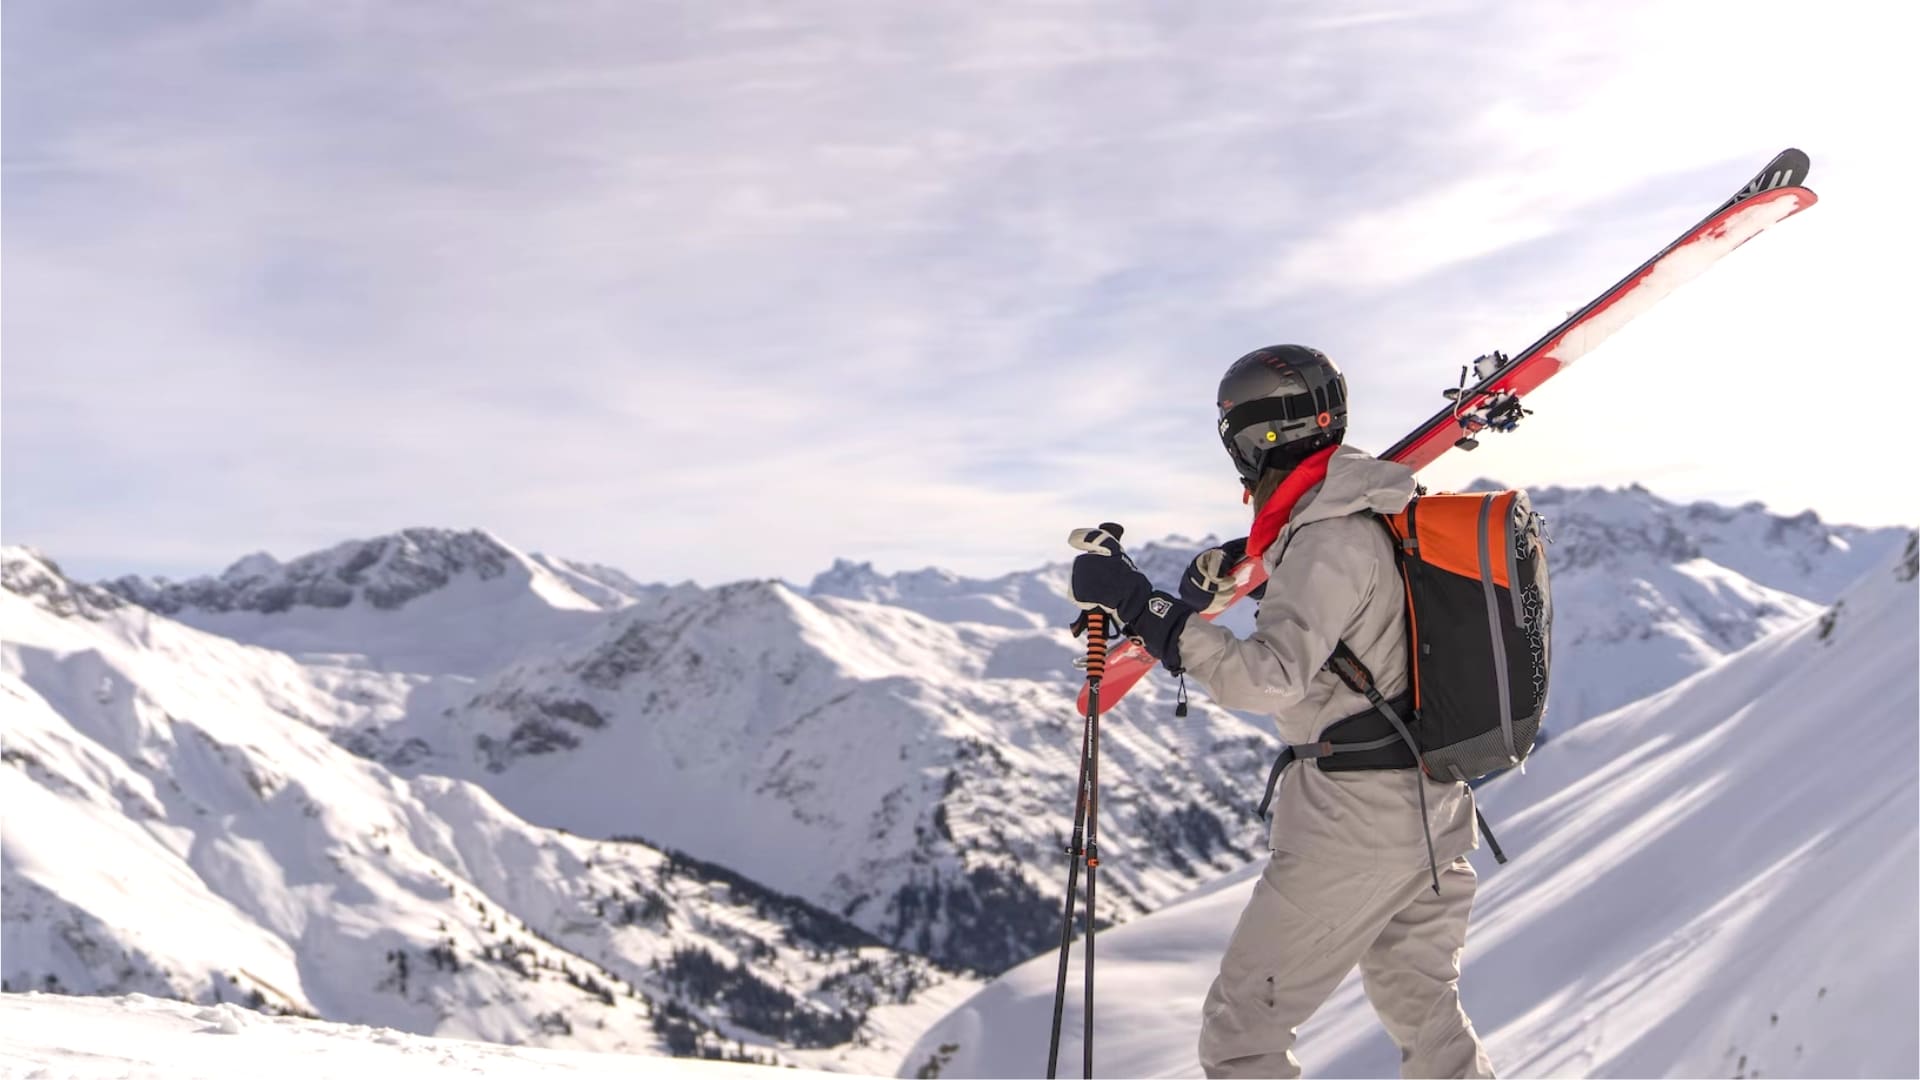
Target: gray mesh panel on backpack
(1473, 758)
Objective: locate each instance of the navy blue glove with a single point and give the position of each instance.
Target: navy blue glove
(1209, 584)
(1105, 577)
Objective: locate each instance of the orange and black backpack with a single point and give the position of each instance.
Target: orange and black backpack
(1479, 618)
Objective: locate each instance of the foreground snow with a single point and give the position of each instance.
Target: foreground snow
(55, 1035)
(1718, 881)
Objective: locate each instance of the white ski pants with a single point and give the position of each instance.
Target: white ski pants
(1307, 925)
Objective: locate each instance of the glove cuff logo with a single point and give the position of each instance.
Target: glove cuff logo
(1160, 606)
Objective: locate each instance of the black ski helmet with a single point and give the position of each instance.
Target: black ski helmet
(1278, 405)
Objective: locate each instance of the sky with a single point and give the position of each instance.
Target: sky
(717, 291)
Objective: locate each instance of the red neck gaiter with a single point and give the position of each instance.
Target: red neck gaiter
(1273, 516)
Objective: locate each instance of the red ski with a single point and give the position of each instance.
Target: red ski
(1493, 402)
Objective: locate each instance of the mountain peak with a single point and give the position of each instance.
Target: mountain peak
(27, 573)
(258, 564)
(848, 578)
(385, 571)
(1615, 527)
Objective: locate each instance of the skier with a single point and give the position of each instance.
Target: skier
(1359, 874)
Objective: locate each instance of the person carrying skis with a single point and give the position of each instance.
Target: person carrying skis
(1368, 862)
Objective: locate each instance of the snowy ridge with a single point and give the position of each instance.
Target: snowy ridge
(1026, 599)
(1647, 591)
(34, 577)
(604, 586)
(1717, 880)
(234, 851)
(1018, 601)
(1799, 554)
(422, 601)
(385, 572)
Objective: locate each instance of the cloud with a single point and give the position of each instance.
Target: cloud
(703, 293)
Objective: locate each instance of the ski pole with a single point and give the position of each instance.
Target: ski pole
(1096, 668)
(1084, 842)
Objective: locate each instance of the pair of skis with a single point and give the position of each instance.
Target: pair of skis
(1492, 401)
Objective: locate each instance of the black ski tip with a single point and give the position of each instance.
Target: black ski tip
(1793, 162)
(1788, 168)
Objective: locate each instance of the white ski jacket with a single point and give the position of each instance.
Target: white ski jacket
(1332, 577)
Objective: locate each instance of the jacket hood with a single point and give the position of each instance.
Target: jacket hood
(1356, 481)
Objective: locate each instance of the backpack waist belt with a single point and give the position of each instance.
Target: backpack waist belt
(1362, 741)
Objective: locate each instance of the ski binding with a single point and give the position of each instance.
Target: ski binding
(1498, 411)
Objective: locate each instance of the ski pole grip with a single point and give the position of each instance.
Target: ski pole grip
(1112, 530)
(1096, 645)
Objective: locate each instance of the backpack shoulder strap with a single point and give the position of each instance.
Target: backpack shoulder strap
(1347, 665)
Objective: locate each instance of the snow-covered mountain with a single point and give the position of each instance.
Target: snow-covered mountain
(421, 601)
(915, 775)
(1023, 600)
(1799, 554)
(900, 740)
(901, 770)
(1647, 592)
(890, 755)
(181, 822)
(1718, 880)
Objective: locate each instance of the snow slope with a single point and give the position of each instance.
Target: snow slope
(45, 1035)
(1719, 880)
(180, 822)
